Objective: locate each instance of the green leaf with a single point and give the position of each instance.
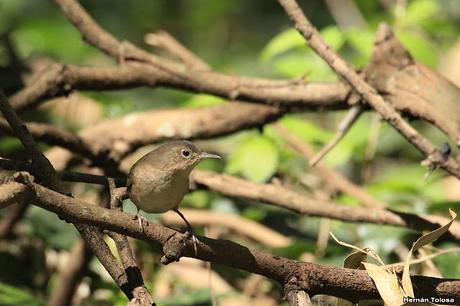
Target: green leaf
(308, 65)
(9, 144)
(202, 100)
(47, 35)
(419, 11)
(305, 130)
(198, 199)
(333, 37)
(281, 43)
(255, 158)
(419, 47)
(361, 40)
(291, 39)
(14, 296)
(45, 225)
(292, 65)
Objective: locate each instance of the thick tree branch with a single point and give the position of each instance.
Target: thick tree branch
(314, 279)
(59, 80)
(54, 136)
(235, 223)
(140, 129)
(299, 203)
(128, 261)
(43, 169)
(281, 196)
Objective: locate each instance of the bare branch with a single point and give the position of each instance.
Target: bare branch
(283, 197)
(368, 93)
(59, 80)
(163, 40)
(347, 122)
(330, 176)
(54, 136)
(43, 169)
(299, 203)
(240, 225)
(139, 129)
(312, 278)
(140, 293)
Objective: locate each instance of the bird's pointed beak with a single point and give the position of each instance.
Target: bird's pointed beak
(209, 155)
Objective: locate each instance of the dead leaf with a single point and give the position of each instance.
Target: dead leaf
(424, 240)
(387, 284)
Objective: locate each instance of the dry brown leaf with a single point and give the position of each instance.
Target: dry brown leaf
(354, 260)
(367, 251)
(387, 284)
(424, 240)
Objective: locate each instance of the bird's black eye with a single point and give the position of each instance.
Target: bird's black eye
(185, 153)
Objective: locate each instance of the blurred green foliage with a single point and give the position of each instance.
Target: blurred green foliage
(251, 38)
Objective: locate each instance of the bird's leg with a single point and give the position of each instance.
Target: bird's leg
(190, 230)
(140, 219)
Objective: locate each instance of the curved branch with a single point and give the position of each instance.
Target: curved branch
(349, 284)
(280, 196)
(59, 80)
(52, 135)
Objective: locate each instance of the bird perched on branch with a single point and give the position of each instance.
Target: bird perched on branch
(159, 180)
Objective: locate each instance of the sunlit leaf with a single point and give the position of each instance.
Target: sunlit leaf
(282, 42)
(362, 40)
(419, 47)
(333, 37)
(419, 11)
(203, 100)
(255, 158)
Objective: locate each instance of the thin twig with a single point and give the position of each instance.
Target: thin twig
(344, 126)
(162, 39)
(330, 176)
(425, 258)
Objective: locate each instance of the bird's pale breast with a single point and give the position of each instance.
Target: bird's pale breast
(157, 191)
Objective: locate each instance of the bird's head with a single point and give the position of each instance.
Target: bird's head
(179, 155)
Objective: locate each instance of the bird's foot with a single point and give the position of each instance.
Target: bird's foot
(189, 231)
(141, 219)
(190, 235)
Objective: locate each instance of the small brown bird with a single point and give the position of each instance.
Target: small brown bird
(159, 180)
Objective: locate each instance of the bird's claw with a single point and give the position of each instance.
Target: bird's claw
(141, 219)
(191, 235)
